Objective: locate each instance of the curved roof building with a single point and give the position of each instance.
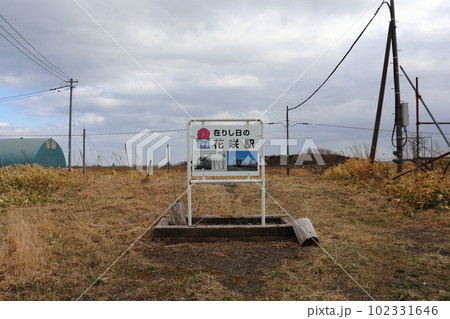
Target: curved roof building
(42, 151)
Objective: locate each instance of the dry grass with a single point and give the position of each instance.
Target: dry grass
(25, 254)
(423, 190)
(419, 190)
(26, 185)
(359, 169)
(54, 249)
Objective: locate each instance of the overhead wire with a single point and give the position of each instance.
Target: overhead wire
(32, 94)
(37, 63)
(43, 63)
(27, 42)
(138, 64)
(315, 61)
(314, 125)
(342, 60)
(130, 133)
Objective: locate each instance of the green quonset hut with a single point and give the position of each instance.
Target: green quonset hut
(42, 151)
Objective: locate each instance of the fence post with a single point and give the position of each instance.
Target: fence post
(84, 151)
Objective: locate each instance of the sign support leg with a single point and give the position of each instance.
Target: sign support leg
(263, 175)
(188, 163)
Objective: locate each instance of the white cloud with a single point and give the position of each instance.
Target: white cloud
(92, 118)
(233, 81)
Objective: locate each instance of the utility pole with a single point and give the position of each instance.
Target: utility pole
(398, 107)
(376, 128)
(287, 140)
(392, 39)
(69, 166)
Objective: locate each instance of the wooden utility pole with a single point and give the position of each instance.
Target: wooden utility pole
(69, 159)
(376, 128)
(392, 39)
(398, 106)
(69, 155)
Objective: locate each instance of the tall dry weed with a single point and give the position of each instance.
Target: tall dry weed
(420, 190)
(359, 169)
(24, 254)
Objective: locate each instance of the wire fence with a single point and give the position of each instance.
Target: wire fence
(108, 148)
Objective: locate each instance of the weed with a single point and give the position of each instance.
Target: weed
(27, 185)
(61, 230)
(421, 190)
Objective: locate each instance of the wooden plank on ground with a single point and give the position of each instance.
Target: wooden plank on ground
(176, 214)
(305, 232)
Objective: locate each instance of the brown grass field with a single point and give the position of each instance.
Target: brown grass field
(59, 231)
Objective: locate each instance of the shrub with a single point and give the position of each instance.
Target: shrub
(420, 190)
(25, 185)
(358, 169)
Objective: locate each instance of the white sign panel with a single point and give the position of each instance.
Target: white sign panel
(226, 150)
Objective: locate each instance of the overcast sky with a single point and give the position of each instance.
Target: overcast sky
(153, 64)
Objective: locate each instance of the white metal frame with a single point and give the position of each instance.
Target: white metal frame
(204, 180)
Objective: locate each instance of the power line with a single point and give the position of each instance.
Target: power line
(315, 61)
(129, 133)
(94, 134)
(37, 135)
(37, 63)
(32, 94)
(28, 56)
(49, 62)
(342, 60)
(314, 125)
(43, 63)
(133, 59)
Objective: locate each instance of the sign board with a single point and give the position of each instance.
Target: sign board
(225, 147)
(226, 150)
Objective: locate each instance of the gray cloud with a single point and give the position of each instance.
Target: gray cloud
(227, 58)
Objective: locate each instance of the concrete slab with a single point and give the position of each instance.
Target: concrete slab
(226, 228)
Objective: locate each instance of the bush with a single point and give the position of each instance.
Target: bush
(358, 169)
(421, 190)
(25, 185)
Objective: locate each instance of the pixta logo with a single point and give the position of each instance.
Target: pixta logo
(306, 154)
(141, 149)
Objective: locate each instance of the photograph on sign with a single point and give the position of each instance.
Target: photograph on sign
(242, 161)
(209, 161)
